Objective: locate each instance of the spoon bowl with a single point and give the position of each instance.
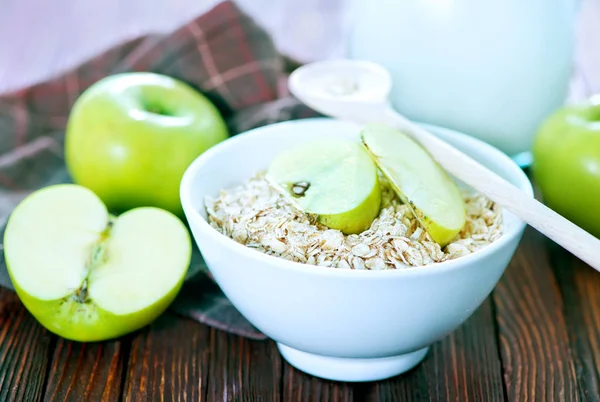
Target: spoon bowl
(348, 89)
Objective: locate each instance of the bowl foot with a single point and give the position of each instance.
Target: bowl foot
(351, 370)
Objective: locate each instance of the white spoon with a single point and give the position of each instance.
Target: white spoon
(358, 91)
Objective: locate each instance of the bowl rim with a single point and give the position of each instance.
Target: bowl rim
(279, 263)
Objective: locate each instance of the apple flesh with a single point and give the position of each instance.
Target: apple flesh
(419, 181)
(334, 182)
(566, 163)
(86, 275)
(131, 136)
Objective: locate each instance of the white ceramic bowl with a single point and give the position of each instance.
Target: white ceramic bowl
(344, 325)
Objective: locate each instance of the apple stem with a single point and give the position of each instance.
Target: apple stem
(97, 257)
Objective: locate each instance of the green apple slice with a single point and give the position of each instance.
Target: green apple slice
(334, 182)
(86, 275)
(418, 180)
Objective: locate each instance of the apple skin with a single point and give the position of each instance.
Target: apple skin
(103, 326)
(360, 218)
(131, 136)
(566, 163)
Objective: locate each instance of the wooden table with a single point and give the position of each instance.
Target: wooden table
(537, 337)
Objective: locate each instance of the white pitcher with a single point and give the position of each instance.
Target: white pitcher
(493, 69)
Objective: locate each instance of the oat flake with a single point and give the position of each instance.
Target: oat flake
(256, 215)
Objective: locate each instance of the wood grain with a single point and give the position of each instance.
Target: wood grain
(168, 361)
(301, 387)
(243, 370)
(86, 372)
(533, 335)
(580, 287)
(464, 366)
(25, 348)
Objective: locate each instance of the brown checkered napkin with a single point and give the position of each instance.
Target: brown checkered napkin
(223, 53)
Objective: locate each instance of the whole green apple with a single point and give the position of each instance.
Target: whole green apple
(131, 136)
(566, 166)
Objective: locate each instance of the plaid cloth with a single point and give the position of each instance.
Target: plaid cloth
(223, 53)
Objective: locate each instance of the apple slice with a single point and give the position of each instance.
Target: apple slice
(86, 275)
(334, 182)
(418, 180)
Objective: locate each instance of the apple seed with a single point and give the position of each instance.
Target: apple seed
(300, 188)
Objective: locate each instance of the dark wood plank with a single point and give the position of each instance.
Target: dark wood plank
(168, 361)
(25, 348)
(243, 370)
(86, 372)
(301, 387)
(580, 287)
(533, 334)
(464, 366)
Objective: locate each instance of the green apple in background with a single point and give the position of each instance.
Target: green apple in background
(86, 275)
(566, 163)
(131, 136)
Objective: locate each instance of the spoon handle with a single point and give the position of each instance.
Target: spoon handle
(570, 236)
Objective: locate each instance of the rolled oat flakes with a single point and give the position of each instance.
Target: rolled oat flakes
(256, 215)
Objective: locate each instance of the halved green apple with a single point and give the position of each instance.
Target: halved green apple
(335, 182)
(86, 275)
(418, 180)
